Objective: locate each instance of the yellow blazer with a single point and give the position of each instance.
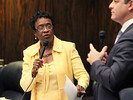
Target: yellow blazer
(67, 61)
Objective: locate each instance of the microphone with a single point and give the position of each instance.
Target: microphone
(45, 43)
(102, 37)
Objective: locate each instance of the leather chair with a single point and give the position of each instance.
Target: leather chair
(10, 75)
(126, 94)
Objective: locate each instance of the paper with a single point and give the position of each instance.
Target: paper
(71, 90)
(3, 98)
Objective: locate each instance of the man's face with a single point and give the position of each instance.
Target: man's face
(119, 11)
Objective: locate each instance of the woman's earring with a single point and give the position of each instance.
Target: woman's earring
(35, 38)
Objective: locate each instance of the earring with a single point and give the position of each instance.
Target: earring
(35, 38)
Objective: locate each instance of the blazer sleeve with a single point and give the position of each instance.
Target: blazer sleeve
(26, 77)
(80, 73)
(118, 72)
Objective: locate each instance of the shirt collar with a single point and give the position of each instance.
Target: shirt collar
(56, 47)
(35, 48)
(126, 25)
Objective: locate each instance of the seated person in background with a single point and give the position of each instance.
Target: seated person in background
(60, 58)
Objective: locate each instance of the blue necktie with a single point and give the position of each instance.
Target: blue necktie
(118, 36)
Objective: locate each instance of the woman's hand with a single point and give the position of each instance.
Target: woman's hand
(80, 90)
(38, 63)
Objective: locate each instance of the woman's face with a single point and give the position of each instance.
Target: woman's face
(44, 29)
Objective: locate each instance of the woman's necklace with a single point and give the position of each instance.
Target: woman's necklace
(47, 55)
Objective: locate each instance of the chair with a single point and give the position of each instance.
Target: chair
(126, 94)
(10, 75)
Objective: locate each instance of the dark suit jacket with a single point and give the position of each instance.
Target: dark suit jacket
(117, 73)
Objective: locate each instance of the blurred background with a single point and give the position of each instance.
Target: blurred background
(78, 21)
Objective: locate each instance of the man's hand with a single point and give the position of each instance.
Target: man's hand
(105, 58)
(94, 55)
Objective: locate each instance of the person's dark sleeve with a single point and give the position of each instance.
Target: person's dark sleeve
(120, 73)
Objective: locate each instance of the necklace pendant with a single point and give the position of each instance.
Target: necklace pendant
(47, 55)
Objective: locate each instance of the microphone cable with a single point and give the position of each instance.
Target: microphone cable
(26, 89)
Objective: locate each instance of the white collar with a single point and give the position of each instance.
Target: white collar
(126, 24)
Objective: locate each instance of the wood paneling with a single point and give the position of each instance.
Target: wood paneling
(78, 21)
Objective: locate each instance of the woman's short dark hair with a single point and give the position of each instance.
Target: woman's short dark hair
(40, 14)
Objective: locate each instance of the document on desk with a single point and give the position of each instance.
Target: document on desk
(71, 90)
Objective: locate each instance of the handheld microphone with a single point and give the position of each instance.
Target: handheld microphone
(102, 34)
(45, 43)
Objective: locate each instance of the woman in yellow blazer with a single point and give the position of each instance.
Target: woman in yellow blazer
(60, 58)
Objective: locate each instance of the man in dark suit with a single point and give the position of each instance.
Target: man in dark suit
(114, 72)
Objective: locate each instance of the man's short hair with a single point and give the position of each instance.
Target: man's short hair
(126, 1)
